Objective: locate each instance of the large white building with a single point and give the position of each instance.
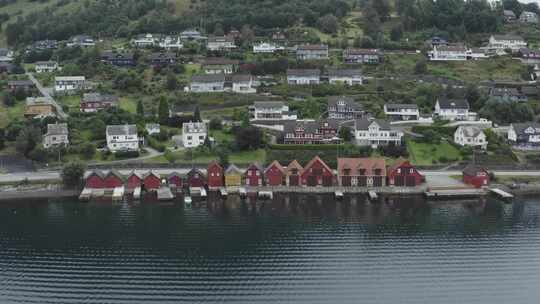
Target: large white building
(470, 136)
(266, 48)
(270, 111)
(456, 52)
(400, 111)
(68, 84)
(194, 134)
(207, 83)
(122, 138)
(57, 135)
(222, 43)
(46, 66)
(525, 135)
(243, 84)
(455, 109)
(347, 76)
(375, 133)
(303, 76)
(500, 43)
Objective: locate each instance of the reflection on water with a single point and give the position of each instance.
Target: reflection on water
(296, 249)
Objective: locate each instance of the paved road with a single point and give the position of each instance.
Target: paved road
(437, 176)
(46, 93)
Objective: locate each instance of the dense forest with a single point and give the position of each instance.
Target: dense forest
(455, 19)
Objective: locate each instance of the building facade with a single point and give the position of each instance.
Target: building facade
(312, 52)
(344, 108)
(345, 76)
(194, 134)
(470, 136)
(310, 132)
(400, 111)
(362, 56)
(270, 111)
(362, 172)
(376, 133)
(122, 138)
(68, 84)
(207, 83)
(57, 135)
(303, 76)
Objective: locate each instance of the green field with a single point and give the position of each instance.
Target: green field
(8, 114)
(241, 158)
(423, 154)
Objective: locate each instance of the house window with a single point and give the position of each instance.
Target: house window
(362, 171)
(378, 171)
(346, 172)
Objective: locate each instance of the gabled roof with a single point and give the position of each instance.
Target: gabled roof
(399, 163)
(208, 78)
(304, 72)
(508, 37)
(115, 173)
(364, 123)
(504, 91)
(134, 173)
(151, 173)
(453, 103)
(98, 97)
(121, 130)
(355, 164)
(195, 171)
(470, 131)
(312, 47)
(57, 129)
(219, 61)
(318, 159)
(97, 173)
(344, 72)
(520, 128)
(472, 170)
(255, 165)
(295, 165)
(241, 78)
(233, 170)
(276, 164)
(214, 163)
(268, 104)
(351, 51)
(401, 106)
(173, 174)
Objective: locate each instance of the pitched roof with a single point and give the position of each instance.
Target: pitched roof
(174, 174)
(255, 165)
(121, 130)
(219, 61)
(215, 163)
(507, 37)
(268, 104)
(453, 103)
(304, 72)
(208, 78)
(277, 165)
(402, 106)
(151, 173)
(315, 159)
(370, 164)
(98, 97)
(312, 47)
(520, 128)
(344, 72)
(470, 131)
(97, 173)
(472, 170)
(349, 101)
(504, 91)
(398, 163)
(351, 51)
(309, 126)
(364, 123)
(295, 165)
(134, 173)
(233, 169)
(57, 129)
(115, 173)
(241, 78)
(20, 83)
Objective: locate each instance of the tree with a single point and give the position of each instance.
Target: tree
(345, 134)
(20, 94)
(328, 24)
(223, 155)
(140, 108)
(72, 174)
(197, 114)
(215, 124)
(420, 67)
(248, 138)
(8, 99)
(172, 82)
(2, 139)
(218, 30)
(163, 110)
(88, 150)
(27, 140)
(382, 7)
(396, 32)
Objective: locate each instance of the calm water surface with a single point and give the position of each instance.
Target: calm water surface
(300, 250)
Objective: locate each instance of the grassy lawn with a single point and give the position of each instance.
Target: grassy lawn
(428, 154)
(73, 102)
(8, 114)
(128, 104)
(240, 158)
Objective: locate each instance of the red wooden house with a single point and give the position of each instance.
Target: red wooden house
(134, 180)
(113, 179)
(174, 179)
(317, 173)
(274, 174)
(254, 175)
(196, 179)
(215, 175)
(293, 172)
(475, 176)
(403, 174)
(95, 180)
(151, 181)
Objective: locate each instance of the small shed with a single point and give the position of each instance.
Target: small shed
(195, 178)
(215, 175)
(113, 179)
(476, 176)
(151, 181)
(317, 173)
(254, 175)
(174, 179)
(293, 172)
(134, 180)
(95, 180)
(403, 174)
(274, 174)
(233, 176)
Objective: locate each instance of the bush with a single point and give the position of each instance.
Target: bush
(126, 154)
(72, 174)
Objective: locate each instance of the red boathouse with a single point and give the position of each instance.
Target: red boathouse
(174, 179)
(254, 175)
(215, 175)
(151, 181)
(195, 178)
(403, 174)
(317, 173)
(475, 176)
(113, 179)
(134, 180)
(293, 172)
(274, 174)
(96, 180)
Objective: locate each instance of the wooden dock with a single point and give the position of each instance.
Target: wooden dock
(454, 193)
(501, 193)
(165, 194)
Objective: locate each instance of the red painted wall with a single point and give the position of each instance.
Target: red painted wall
(215, 176)
(133, 182)
(311, 171)
(196, 180)
(151, 182)
(254, 177)
(476, 181)
(112, 181)
(405, 172)
(94, 182)
(175, 180)
(274, 176)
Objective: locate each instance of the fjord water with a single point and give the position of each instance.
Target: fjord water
(304, 250)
